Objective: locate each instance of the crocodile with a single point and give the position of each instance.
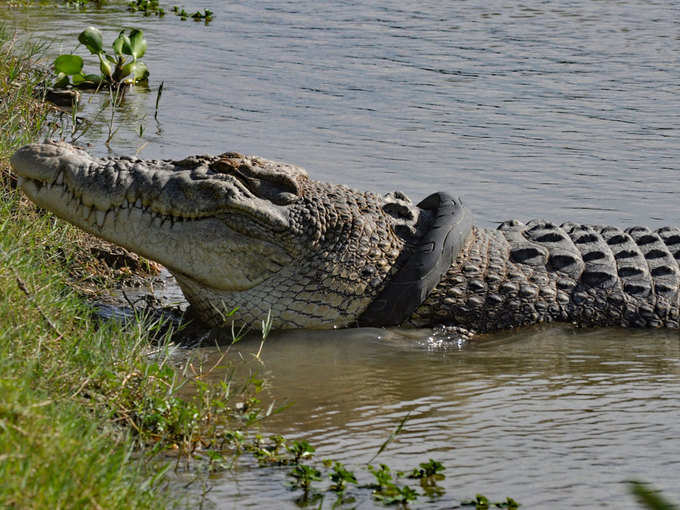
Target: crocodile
(246, 237)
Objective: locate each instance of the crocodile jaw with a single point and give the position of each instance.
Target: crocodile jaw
(203, 248)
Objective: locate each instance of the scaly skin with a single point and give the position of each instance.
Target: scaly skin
(540, 272)
(247, 233)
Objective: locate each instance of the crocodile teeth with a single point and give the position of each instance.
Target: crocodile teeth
(100, 217)
(60, 178)
(125, 204)
(86, 212)
(21, 180)
(138, 203)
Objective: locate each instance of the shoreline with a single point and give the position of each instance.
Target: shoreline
(91, 413)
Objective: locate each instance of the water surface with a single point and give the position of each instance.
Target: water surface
(560, 109)
(554, 417)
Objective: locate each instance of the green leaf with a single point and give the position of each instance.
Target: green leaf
(92, 39)
(77, 79)
(87, 80)
(93, 78)
(141, 72)
(122, 44)
(126, 70)
(68, 64)
(137, 43)
(649, 498)
(392, 436)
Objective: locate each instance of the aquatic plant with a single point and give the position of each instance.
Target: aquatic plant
(146, 7)
(481, 502)
(206, 15)
(650, 498)
(429, 473)
(300, 450)
(341, 477)
(123, 67)
(386, 490)
(303, 476)
(82, 4)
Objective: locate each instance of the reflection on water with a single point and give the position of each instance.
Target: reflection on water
(565, 110)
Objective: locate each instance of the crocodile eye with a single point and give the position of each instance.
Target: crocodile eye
(271, 182)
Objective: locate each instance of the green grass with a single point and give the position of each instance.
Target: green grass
(79, 395)
(22, 118)
(88, 408)
(59, 444)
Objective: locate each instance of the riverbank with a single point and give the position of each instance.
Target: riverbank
(90, 415)
(59, 443)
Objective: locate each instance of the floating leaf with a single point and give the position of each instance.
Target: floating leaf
(68, 64)
(92, 39)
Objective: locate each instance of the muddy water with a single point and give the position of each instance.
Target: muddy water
(562, 110)
(554, 417)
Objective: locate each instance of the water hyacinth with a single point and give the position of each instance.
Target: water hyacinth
(123, 67)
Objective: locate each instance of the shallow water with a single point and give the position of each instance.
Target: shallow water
(553, 417)
(565, 110)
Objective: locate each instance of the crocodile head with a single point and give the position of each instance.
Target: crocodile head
(236, 231)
